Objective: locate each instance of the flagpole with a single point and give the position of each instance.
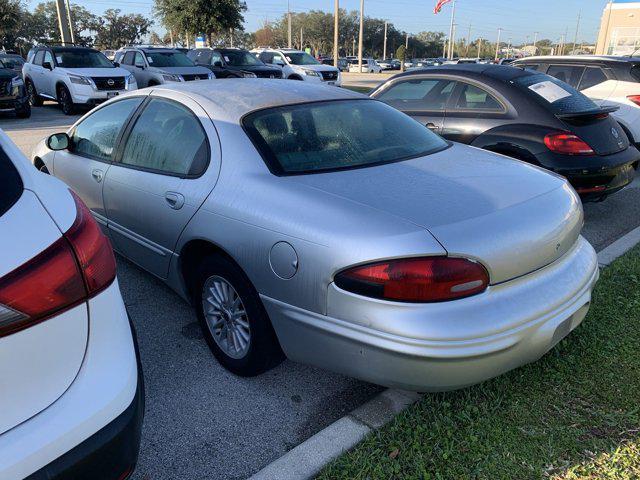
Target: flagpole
(453, 17)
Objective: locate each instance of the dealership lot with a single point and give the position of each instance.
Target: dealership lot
(203, 422)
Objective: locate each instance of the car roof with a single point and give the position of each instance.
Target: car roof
(581, 59)
(71, 49)
(231, 99)
(498, 72)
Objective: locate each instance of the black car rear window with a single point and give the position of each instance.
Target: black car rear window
(561, 98)
(11, 183)
(635, 72)
(337, 135)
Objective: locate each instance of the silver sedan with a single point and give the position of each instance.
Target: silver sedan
(318, 224)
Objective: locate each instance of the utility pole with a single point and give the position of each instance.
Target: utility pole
(360, 34)
(384, 48)
(301, 40)
(466, 51)
(445, 44)
(231, 37)
(453, 17)
(63, 22)
(353, 47)
(535, 39)
(509, 48)
(406, 42)
(498, 44)
(575, 39)
(479, 47)
(289, 22)
(171, 38)
(73, 40)
(336, 9)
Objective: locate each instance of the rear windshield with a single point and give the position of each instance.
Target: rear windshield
(81, 59)
(337, 135)
(561, 98)
(11, 183)
(168, 59)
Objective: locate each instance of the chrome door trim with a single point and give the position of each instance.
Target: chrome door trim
(154, 247)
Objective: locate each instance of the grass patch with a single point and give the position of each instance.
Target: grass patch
(364, 90)
(574, 414)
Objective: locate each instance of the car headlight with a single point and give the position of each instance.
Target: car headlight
(249, 75)
(78, 80)
(17, 82)
(169, 77)
(311, 73)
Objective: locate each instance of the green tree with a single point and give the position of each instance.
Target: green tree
(41, 26)
(401, 54)
(114, 30)
(11, 12)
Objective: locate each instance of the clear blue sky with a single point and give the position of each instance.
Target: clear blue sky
(518, 18)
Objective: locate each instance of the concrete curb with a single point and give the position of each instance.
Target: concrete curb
(311, 456)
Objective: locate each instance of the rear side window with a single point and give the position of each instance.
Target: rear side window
(337, 135)
(418, 95)
(570, 74)
(128, 58)
(167, 138)
(559, 97)
(592, 76)
(475, 98)
(635, 72)
(11, 183)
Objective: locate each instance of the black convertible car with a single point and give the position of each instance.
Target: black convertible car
(523, 114)
(13, 96)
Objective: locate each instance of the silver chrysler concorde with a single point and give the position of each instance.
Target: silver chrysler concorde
(315, 223)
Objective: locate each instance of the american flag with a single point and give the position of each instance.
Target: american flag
(439, 6)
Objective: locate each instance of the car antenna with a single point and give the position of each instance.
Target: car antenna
(634, 52)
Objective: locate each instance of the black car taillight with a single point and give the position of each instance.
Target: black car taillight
(75, 267)
(419, 280)
(567, 144)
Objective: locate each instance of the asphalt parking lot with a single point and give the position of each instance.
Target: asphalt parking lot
(201, 421)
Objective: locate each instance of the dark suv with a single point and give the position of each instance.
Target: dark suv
(232, 63)
(13, 96)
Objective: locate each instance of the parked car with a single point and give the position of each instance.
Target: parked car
(12, 61)
(384, 64)
(158, 65)
(299, 65)
(607, 80)
(369, 65)
(73, 77)
(72, 400)
(330, 227)
(343, 63)
(13, 95)
(232, 63)
(523, 114)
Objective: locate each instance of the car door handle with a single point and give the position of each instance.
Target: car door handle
(174, 200)
(432, 126)
(97, 175)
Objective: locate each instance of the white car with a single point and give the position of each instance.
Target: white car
(609, 81)
(72, 398)
(299, 65)
(73, 76)
(369, 65)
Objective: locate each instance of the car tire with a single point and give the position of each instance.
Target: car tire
(66, 101)
(34, 98)
(24, 111)
(219, 284)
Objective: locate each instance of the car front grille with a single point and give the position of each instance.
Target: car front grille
(329, 75)
(268, 74)
(5, 87)
(109, 83)
(190, 77)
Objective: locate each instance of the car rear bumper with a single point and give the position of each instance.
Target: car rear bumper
(94, 427)
(448, 345)
(13, 103)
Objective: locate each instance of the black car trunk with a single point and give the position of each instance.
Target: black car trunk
(599, 130)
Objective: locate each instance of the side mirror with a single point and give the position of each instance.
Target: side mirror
(58, 141)
(47, 65)
(116, 64)
(137, 65)
(217, 64)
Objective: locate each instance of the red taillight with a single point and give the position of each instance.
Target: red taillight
(75, 267)
(635, 99)
(426, 279)
(567, 143)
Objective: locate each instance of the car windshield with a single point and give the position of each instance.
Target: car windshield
(337, 135)
(168, 59)
(239, 58)
(81, 59)
(560, 97)
(301, 58)
(11, 62)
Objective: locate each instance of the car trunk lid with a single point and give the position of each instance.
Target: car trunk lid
(598, 129)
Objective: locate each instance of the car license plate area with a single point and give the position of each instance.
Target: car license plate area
(112, 94)
(568, 325)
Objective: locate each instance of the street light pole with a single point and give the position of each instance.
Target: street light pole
(336, 8)
(575, 39)
(453, 17)
(384, 48)
(289, 21)
(70, 19)
(498, 44)
(63, 22)
(361, 33)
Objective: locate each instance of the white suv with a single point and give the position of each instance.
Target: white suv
(369, 65)
(299, 65)
(72, 396)
(73, 76)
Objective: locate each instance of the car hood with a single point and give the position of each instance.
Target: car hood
(254, 68)
(513, 217)
(6, 73)
(318, 68)
(183, 70)
(95, 72)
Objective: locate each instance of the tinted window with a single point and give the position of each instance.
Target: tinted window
(202, 57)
(566, 73)
(240, 58)
(12, 61)
(168, 59)
(336, 135)
(138, 60)
(558, 96)
(39, 57)
(95, 137)
(48, 58)
(415, 95)
(11, 184)
(530, 66)
(278, 59)
(266, 57)
(168, 138)
(475, 98)
(635, 72)
(75, 58)
(592, 76)
(128, 58)
(216, 57)
(192, 54)
(301, 58)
